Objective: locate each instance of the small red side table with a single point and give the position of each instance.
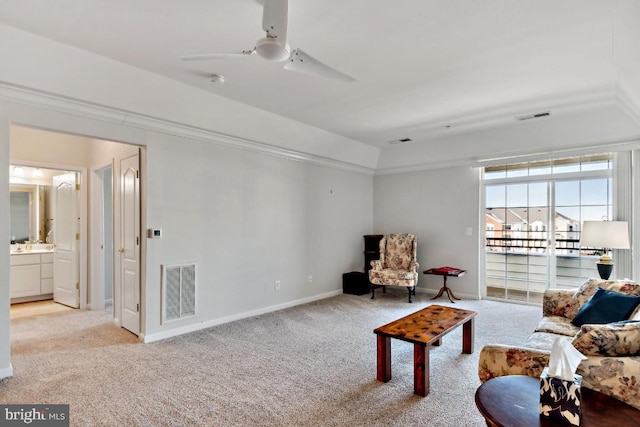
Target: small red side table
(446, 272)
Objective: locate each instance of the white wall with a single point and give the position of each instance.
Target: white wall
(437, 206)
(246, 218)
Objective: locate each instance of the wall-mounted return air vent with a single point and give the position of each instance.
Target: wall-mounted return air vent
(533, 116)
(178, 291)
(400, 141)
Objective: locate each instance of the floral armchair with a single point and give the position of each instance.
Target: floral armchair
(397, 265)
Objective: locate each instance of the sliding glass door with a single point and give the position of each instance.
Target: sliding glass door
(534, 213)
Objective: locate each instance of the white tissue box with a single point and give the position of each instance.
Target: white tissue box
(560, 399)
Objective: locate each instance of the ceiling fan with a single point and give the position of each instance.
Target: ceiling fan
(274, 46)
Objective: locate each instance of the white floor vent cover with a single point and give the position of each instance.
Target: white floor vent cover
(178, 291)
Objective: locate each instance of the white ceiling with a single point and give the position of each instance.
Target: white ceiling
(420, 65)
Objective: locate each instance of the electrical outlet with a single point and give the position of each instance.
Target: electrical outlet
(310, 278)
(277, 285)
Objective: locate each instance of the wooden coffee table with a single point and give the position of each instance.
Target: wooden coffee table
(514, 401)
(423, 328)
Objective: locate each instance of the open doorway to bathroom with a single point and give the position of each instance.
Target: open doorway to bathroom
(44, 251)
(97, 163)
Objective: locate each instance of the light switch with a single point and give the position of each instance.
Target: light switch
(154, 233)
(469, 231)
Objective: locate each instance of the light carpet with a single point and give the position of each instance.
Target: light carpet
(310, 365)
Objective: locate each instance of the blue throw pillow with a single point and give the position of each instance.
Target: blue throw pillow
(606, 307)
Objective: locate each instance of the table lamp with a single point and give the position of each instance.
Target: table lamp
(605, 235)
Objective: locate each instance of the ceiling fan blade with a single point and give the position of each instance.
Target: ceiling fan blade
(274, 19)
(218, 55)
(303, 63)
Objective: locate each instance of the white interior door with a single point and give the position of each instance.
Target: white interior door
(129, 232)
(66, 286)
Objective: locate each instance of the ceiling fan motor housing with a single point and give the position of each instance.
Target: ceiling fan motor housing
(270, 49)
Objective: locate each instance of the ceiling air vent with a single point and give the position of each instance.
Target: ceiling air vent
(533, 116)
(400, 141)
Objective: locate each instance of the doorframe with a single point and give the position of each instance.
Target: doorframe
(97, 267)
(83, 205)
(83, 201)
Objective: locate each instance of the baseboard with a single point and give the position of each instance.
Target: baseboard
(158, 336)
(6, 372)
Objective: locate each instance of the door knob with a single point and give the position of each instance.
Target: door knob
(121, 250)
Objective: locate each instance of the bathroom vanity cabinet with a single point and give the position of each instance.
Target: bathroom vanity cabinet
(31, 276)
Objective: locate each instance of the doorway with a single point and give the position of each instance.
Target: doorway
(44, 252)
(97, 188)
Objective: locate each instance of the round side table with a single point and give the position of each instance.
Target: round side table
(512, 401)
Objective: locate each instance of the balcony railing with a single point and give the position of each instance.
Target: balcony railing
(507, 242)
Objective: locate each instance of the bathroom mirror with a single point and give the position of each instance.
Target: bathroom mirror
(30, 202)
(27, 203)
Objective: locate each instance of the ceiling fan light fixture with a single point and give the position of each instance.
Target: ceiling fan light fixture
(270, 49)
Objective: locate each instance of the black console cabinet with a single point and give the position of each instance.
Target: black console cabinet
(371, 249)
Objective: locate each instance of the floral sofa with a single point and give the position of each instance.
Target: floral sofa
(612, 349)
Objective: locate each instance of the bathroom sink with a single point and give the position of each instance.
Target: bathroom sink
(36, 248)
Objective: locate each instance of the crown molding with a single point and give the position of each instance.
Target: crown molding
(622, 144)
(612, 145)
(53, 102)
(618, 97)
(626, 104)
(424, 166)
(506, 114)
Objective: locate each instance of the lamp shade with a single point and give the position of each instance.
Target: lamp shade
(605, 234)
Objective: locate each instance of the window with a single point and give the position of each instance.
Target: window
(534, 212)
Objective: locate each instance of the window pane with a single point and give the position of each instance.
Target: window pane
(567, 213)
(594, 191)
(567, 193)
(516, 195)
(516, 172)
(540, 168)
(538, 194)
(594, 213)
(599, 162)
(565, 168)
(495, 196)
(495, 172)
